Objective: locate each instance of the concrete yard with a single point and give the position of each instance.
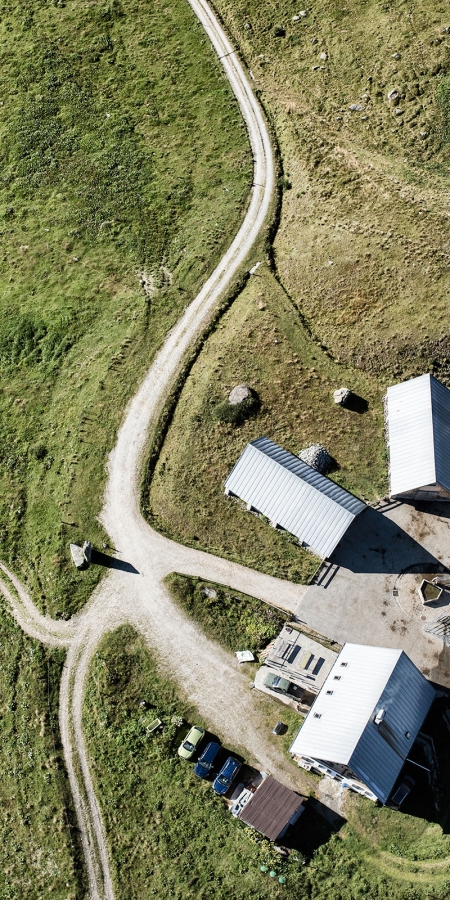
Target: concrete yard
(367, 592)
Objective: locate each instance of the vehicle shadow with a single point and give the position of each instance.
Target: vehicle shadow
(374, 543)
(110, 562)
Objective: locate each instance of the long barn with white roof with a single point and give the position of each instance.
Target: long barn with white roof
(362, 726)
(293, 496)
(418, 434)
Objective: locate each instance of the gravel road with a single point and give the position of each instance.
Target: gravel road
(202, 668)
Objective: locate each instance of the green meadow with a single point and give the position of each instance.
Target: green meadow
(124, 169)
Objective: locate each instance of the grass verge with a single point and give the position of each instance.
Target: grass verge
(40, 853)
(235, 620)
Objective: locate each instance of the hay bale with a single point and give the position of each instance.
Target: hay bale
(317, 457)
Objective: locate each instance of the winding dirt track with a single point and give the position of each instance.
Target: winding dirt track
(140, 597)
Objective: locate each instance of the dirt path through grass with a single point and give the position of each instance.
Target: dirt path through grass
(135, 593)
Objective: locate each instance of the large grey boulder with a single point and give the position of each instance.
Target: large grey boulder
(78, 556)
(239, 394)
(342, 396)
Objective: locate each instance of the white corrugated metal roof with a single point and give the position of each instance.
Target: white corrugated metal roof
(340, 727)
(293, 495)
(418, 434)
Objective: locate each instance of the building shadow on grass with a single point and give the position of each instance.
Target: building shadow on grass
(314, 828)
(374, 543)
(110, 562)
(429, 765)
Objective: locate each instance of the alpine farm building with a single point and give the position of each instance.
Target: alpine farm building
(363, 724)
(418, 434)
(293, 496)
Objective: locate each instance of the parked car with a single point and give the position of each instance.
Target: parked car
(226, 775)
(277, 683)
(399, 796)
(187, 749)
(205, 764)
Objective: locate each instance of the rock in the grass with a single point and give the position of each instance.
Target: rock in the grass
(77, 556)
(323, 56)
(239, 394)
(393, 95)
(342, 396)
(87, 551)
(209, 592)
(356, 107)
(317, 457)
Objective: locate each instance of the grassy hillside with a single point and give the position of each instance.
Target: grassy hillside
(361, 259)
(169, 835)
(40, 852)
(363, 244)
(125, 167)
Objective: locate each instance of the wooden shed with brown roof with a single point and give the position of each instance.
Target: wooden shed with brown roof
(272, 808)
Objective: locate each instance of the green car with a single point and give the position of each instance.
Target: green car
(190, 744)
(276, 683)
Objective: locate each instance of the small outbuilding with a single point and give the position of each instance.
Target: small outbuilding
(293, 496)
(272, 808)
(418, 435)
(297, 657)
(362, 727)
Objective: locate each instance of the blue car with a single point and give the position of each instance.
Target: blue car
(205, 763)
(226, 775)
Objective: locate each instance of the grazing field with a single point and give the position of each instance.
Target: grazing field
(125, 169)
(40, 854)
(169, 835)
(359, 96)
(236, 621)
